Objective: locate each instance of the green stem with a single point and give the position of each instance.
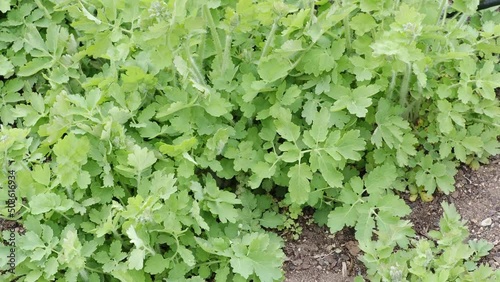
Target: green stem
(213, 30)
(332, 199)
(403, 91)
(210, 262)
(396, 5)
(197, 72)
(486, 39)
(227, 52)
(311, 14)
(94, 270)
(302, 55)
(176, 249)
(70, 193)
(463, 18)
(14, 218)
(390, 90)
(269, 40)
(138, 179)
(194, 70)
(485, 122)
(63, 215)
(201, 49)
(442, 14)
(347, 33)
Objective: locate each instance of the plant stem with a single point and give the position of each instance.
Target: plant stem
(213, 30)
(227, 49)
(486, 122)
(390, 90)
(269, 40)
(403, 91)
(442, 15)
(94, 270)
(201, 49)
(463, 18)
(347, 33)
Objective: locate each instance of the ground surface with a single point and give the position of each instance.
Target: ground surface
(318, 256)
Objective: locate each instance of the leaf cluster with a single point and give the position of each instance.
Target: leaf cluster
(161, 140)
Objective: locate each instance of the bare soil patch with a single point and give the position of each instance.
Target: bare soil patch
(318, 256)
(477, 199)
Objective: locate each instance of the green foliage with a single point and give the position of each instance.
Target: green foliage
(442, 257)
(158, 140)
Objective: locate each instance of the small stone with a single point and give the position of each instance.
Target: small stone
(353, 248)
(344, 269)
(486, 222)
(297, 262)
(313, 248)
(337, 250)
(454, 195)
(331, 261)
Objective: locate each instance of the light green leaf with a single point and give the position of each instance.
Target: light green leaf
(299, 188)
(89, 16)
(195, 212)
(141, 158)
(186, 255)
(216, 106)
(5, 5)
(134, 238)
(381, 178)
(357, 101)
(6, 67)
(34, 66)
(51, 266)
(136, 259)
(342, 216)
(317, 61)
(156, 264)
(329, 171)
(364, 228)
(34, 39)
(391, 126)
(347, 146)
(319, 129)
(260, 254)
(272, 219)
(43, 203)
(362, 23)
(242, 266)
(163, 185)
(287, 129)
(393, 205)
(273, 68)
(41, 174)
(177, 149)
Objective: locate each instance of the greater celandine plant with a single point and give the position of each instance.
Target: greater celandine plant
(166, 140)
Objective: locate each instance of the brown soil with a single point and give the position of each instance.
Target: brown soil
(477, 199)
(318, 256)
